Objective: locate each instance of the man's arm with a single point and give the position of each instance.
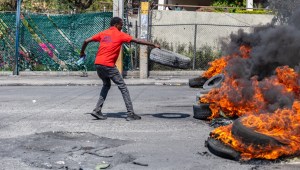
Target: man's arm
(139, 41)
(85, 43)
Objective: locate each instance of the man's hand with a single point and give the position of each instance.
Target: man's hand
(157, 46)
(82, 54)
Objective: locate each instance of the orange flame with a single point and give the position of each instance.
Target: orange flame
(238, 97)
(217, 66)
(289, 78)
(283, 125)
(231, 99)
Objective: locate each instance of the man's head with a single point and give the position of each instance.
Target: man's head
(116, 22)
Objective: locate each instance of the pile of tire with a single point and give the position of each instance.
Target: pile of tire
(201, 110)
(169, 58)
(243, 134)
(197, 82)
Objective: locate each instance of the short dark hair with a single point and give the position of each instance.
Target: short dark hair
(115, 20)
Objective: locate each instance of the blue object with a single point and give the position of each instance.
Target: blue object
(81, 60)
(18, 13)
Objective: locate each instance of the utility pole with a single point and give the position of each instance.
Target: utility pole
(16, 69)
(144, 35)
(161, 2)
(118, 11)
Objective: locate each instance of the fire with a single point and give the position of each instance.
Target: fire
(245, 51)
(249, 98)
(267, 99)
(237, 97)
(283, 125)
(217, 66)
(230, 98)
(289, 78)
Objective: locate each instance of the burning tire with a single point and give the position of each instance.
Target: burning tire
(169, 58)
(249, 136)
(197, 82)
(201, 111)
(201, 93)
(214, 82)
(218, 148)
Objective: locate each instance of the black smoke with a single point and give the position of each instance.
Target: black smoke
(272, 45)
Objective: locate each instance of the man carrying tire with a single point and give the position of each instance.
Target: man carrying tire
(111, 41)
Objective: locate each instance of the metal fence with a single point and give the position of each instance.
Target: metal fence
(200, 42)
(50, 41)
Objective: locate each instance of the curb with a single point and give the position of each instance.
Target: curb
(76, 78)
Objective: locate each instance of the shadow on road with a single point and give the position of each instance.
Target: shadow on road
(171, 115)
(122, 115)
(157, 115)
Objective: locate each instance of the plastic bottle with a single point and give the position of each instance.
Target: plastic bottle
(81, 60)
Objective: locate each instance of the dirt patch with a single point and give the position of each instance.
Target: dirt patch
(64, 150)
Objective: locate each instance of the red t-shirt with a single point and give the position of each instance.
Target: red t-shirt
(110, 45)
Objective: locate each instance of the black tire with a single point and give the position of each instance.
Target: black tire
(204, 91)
(197, 82)
(218, 148)
(198, 96)
(214, 82)
(249, 136)
(169, 58)
(201, 111)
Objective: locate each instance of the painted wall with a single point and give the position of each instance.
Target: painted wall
(211, 26)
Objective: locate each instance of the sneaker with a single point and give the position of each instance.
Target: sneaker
(132, 116)
(98, 115)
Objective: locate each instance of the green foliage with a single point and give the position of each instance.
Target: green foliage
(237, 6)
(228, 3)
(7, 5)
(252, 12)
(58, 6)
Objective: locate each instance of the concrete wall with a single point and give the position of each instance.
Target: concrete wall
(212, 26)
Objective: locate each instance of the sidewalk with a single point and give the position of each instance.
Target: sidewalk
(77, 78)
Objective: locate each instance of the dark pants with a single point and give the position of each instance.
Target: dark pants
(112, 73)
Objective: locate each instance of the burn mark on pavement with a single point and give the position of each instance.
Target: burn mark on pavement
(64, 150)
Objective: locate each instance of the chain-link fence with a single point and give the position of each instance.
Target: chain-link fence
(200, 42)
(49, 41)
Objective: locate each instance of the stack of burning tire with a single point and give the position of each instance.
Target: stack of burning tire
(202, 110)
(244, 135)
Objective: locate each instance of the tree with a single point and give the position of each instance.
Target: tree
(61, 6)
(8, 5)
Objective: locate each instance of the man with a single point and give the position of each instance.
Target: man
(110, 44)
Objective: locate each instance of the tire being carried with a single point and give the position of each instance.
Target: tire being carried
(169, 58)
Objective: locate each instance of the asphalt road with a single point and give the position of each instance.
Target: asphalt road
(42, 127)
